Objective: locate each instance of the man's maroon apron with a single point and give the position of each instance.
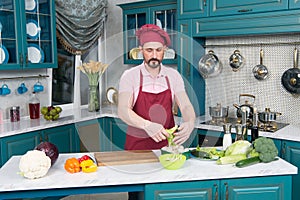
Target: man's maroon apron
(153, 107)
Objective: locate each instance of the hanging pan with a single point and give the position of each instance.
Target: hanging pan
(209, 65)
(260, 71)
(291, 77)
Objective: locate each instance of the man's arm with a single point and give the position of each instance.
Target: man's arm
(188, 115)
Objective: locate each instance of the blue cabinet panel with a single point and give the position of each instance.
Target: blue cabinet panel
(188, 9)
(200, 190)
(273, 187)
(230, 7)
(18, 144)
(294, 4)
(291, 153)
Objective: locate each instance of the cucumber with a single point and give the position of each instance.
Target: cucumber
(247, 162)
(200, 154)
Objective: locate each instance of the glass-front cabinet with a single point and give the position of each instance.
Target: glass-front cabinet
(159, 12)
(27, 34)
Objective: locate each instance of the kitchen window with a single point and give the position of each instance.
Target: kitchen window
(65, 91)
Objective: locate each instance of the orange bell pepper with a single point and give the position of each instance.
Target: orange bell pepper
(88, 166)
(72, 165)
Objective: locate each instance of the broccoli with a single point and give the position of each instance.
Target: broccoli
(266, 149)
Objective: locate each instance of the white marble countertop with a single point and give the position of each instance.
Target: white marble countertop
(290, 132)
(193, 170)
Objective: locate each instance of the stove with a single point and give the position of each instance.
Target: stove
(266, 127)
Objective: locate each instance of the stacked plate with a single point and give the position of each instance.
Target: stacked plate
(35, 53)
(30, 5)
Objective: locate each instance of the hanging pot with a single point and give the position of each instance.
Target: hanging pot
(209, 65)
(260, 71)
(291, 77)
(246, 107)
(236, 61)
(267, 116)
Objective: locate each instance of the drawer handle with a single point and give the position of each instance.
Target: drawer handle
(245, 10)
(216, 193)
(226, 193)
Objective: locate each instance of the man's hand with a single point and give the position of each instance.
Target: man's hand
(156, 131)
(183, 133)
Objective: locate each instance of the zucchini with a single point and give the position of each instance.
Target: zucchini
(247, 162)
(200, 154)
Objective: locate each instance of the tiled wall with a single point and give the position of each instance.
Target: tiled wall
(278, 57)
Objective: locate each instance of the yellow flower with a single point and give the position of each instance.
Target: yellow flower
(93, 70)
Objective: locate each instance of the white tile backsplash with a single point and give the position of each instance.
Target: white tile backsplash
(278, 57)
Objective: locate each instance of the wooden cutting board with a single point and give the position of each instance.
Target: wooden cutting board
(125, 157)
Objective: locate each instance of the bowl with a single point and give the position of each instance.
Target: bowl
(167, 150)
(172, 161)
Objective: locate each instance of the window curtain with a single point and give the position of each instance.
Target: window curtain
(79, 24)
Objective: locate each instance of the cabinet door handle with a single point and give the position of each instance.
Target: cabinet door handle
(216, 192)
(226, 191)
(245, 10)
(41, 138)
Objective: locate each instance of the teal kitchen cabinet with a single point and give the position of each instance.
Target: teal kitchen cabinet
(189, 52)
(114, 134)
(90, 135)
(18, 144)
(188, 9)
(28, 34)
(63, 137)
(160, 12)
(272, 187)
(291, 153)
(294, 4)
(231, 7)
(200, 190)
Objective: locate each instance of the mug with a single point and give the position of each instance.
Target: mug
(38, 87)
(22, 88)
(5, 90)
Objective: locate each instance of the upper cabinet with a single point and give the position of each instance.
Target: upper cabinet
(294, 4)
(192, 9)
(160, 12)
(27, 34)
(231, 7)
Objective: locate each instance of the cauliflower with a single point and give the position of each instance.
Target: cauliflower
(34, 164)
(266, 149)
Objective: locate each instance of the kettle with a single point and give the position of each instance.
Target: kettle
(247, 106)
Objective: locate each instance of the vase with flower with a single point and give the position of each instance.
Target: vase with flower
(93, 70)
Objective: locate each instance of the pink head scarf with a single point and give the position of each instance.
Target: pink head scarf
(153, 33)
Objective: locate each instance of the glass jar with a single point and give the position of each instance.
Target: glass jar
(15, 113)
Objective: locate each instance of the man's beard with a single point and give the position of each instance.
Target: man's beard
(153, 63)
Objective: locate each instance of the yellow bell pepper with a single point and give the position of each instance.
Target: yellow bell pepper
(88, 166)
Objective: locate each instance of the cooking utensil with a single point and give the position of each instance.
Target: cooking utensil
(291, 77)
(218, 111)
(267, 116)
(247, 106)
(209, 65)
(260, 71)
(236, 61)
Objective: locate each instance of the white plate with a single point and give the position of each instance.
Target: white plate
(4, 56)
(32, 29)
(35, 54)
(169, 54)
(111, 95)
(30, 5)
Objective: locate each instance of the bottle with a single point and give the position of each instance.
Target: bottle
(34, 107)
(227, 140)
(254, 128)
